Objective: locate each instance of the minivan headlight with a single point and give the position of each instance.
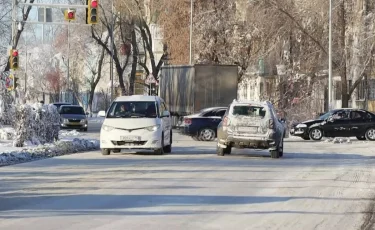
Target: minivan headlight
(107, 128)
(83, 121)
(153, 128)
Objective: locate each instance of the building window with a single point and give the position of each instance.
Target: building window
(361, 91)
(244, 93)
(252, 93)
(337, 87)
(371, 88)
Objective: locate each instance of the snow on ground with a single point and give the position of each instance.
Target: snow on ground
(59, 148)
(317, 185)
(70, 142)
(64, 133)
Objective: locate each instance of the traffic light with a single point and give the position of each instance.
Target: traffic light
(92, 12)
(70, 15)
(14, 59)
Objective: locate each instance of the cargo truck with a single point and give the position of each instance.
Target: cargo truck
(190, 88)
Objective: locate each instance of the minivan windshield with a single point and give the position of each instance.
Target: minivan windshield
(72, 110)
(133, 109)
(249, 110)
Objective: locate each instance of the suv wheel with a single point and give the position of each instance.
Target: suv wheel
(222, 151)
(370, 134)
(207, 134)
(316, 134)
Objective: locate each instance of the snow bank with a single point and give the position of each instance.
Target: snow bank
(64, 133)
(7, 133)
(59, 148)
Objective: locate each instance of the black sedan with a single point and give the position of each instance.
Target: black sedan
(345, 123)
(302, 129)
(202, 126)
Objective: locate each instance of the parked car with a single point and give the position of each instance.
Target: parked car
(202, 126)
(101, 113)
(73, 117)
(139, 123)
(59, 104)
(345, 123)
(251, 124)
(302, 129)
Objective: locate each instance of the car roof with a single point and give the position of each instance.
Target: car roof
(72, 106)
(138, 98)
(61, 103)
(251, 102)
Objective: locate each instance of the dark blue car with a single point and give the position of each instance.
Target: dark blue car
(202, 126)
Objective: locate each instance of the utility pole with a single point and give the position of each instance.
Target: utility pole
(112, 48)
(330, 58)
(68, 78)
(191, 31)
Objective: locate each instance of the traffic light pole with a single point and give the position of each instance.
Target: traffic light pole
(68, 86)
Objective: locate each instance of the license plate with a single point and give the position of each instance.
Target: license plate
(74, 123)
(130, 138)
(248, 129)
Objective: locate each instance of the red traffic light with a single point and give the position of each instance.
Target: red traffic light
(94, 4)
(15, 53)
(70, 15)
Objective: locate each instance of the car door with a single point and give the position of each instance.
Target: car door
(166, 123)
(339, 125)
(219, 114)
(359, 122)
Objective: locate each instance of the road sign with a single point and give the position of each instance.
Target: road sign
(150, 79)
(9, 82)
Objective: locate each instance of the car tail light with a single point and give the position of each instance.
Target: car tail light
(187, 121)
(270, 124)
(225, 121)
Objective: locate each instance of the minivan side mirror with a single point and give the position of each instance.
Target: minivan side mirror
(165, 114)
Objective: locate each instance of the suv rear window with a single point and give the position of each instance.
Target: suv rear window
(248, 110)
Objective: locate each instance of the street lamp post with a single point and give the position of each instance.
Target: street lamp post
(191, 31)
(330, 58)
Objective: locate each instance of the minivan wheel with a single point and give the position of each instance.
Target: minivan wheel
(160, 151)
(281, 148)
(370, 134)
(105, 152)
(316, 134)
(207, 135)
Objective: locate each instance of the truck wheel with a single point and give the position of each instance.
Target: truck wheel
(207, 134)
(105, 152)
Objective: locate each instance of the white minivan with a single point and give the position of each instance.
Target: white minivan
(137, 123)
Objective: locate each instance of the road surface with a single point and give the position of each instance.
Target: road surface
(315, 186)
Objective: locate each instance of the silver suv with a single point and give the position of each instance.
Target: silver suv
(251, 124)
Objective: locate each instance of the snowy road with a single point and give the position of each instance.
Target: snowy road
(315, 186)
